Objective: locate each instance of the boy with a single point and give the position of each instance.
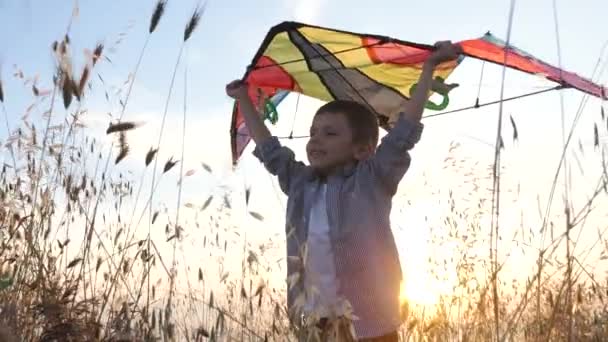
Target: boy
(339, 206)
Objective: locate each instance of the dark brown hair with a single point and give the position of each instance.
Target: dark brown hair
(362, 121)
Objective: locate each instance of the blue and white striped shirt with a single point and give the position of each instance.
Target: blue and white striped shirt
(358, 208)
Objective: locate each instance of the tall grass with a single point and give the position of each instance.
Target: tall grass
(57, 191)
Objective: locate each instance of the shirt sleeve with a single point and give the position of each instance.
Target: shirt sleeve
(279, 161)
(392, 158)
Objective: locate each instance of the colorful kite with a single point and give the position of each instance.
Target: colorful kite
(379, 72)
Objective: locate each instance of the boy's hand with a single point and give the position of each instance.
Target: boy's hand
(444, 51)
(237, 90)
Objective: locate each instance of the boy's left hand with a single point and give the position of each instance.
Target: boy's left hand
(444, 51)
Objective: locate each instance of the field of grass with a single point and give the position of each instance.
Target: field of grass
(81, 258)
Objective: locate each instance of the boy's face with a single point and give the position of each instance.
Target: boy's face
(331, 143)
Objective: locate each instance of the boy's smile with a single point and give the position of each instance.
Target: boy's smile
(331, 143)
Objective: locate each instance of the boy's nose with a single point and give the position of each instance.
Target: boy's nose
(315, 143)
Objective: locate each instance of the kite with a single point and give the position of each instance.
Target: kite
(377, 71)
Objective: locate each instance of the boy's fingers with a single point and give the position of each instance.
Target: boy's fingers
(235, 84)
(457, 48)
(442, 43)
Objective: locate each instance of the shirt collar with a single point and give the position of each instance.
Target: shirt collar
(345, 172)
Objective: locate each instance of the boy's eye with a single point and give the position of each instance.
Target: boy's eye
(322, 132)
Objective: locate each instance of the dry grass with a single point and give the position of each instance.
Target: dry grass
(74, 265)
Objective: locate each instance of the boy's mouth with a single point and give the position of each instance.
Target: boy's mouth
(316, 154)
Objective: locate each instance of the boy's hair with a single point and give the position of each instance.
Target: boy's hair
(362, 121)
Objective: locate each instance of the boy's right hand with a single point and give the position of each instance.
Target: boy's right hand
(237, 90)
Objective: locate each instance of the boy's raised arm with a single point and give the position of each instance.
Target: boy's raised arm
(445, 51)
(278, 160)
(392, 158)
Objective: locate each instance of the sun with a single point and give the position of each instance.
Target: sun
(416, 294)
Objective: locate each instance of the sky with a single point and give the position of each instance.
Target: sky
(222, 47)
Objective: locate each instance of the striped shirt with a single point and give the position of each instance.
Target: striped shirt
(358, 208)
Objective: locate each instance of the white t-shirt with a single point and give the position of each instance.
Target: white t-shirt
(320, 281)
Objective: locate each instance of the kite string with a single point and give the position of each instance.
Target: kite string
(295, 115)
(483, 64)
(496, 182)
(558, 87)
(561, 97)
(567, 205)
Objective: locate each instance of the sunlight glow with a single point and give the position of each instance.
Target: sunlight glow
(422, 285)
(415, 293)
(423, 290)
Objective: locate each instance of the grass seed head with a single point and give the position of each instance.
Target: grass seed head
(159, 10)
(150, 155)
(193, 22)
